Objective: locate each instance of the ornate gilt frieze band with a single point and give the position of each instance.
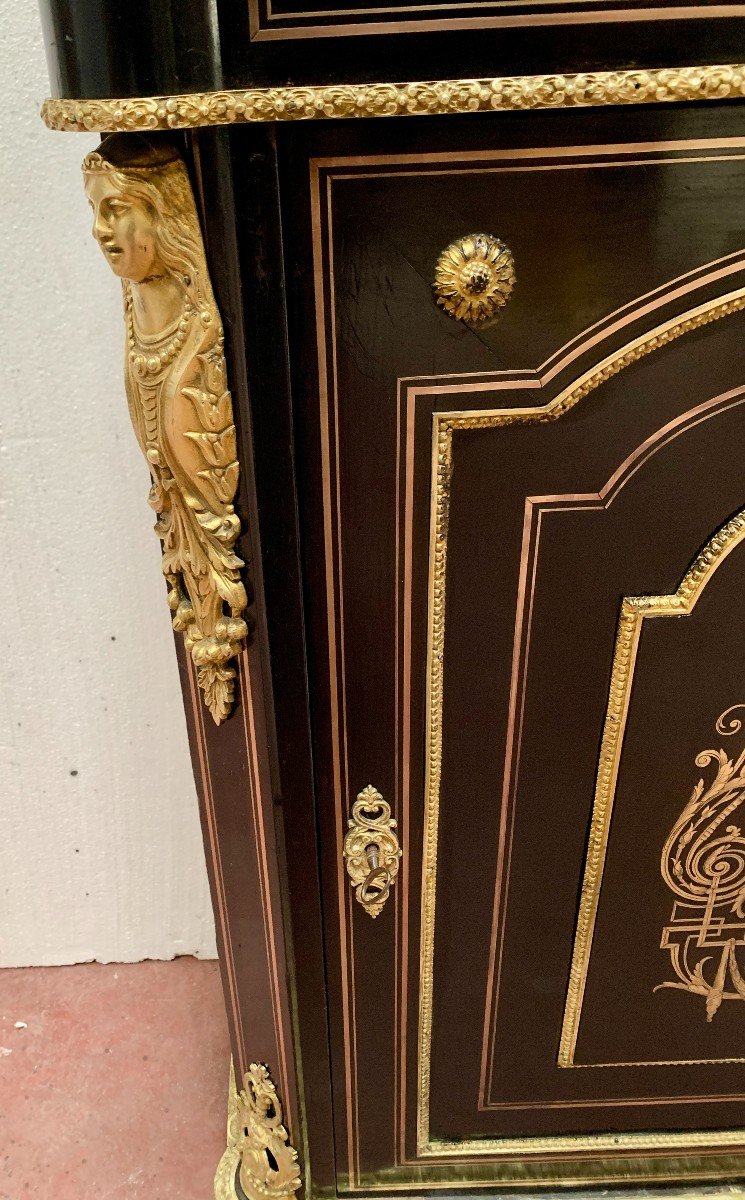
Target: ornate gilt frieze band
(145, 221)
(190, 111)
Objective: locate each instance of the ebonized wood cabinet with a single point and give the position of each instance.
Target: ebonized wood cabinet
(494, 576)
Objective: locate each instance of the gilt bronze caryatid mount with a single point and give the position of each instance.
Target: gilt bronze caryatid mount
(145, 221)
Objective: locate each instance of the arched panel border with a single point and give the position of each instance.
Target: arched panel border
(635, 610)
(445, 426)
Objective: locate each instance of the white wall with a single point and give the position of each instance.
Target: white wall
(100, 848)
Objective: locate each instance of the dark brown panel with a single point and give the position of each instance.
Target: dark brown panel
(285, 19)
(647, 232)
(260, 250)
(688, 672)
(639, 540)
(255, 770)
(113, 48)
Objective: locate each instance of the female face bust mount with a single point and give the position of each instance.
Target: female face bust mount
(145, 222)
(124, 226)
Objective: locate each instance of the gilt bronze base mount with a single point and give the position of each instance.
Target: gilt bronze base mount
(259, 1162)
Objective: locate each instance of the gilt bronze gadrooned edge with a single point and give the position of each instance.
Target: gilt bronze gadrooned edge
(190, 111)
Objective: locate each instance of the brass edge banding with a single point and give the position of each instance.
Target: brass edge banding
(444, 425)
(192, 110)
(634, 610)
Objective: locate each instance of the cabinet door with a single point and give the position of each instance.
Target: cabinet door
(525, 583)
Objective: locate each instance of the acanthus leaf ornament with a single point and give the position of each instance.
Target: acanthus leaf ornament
(371, 850)
(474, 278)
(259, 1155)
(703, 864)
(146, 223)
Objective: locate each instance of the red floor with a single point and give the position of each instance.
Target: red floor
(116, 1086)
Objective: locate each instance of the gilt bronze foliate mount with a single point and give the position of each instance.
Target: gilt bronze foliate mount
(145, 221)
(474, 278)
(259, 1156)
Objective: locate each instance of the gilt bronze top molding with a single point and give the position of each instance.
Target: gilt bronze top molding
(141, 114)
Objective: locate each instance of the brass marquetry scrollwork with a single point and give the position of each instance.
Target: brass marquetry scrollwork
(703, 864)
(145, 221)
(474, 278)
(371, 850)
(634, 611)
(258, 1154)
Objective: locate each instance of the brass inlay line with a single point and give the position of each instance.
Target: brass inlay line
(444, 426)
(634, 610)
(572, 1143)
(334, 626)
(193, 110)
(524, 1178)
(220, 892)
(275, 954)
